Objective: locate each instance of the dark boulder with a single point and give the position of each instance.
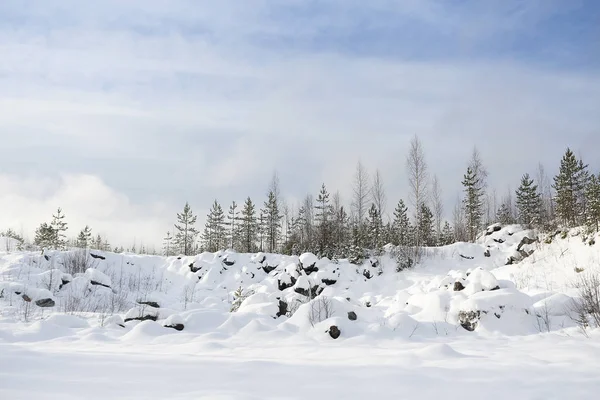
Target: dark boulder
(152, 304)
(525, 241)
(268, 269)
(193, 268)
(143, 318)
(367, 274)
(97, 256)
(283, 309)
(228, 262)
(458, 286)
(487, 253)
(310, 269)
(95, 283)
(329, 282)
(469, 319)
(25, 297)
(352, 316)
(286, 285)
(45, 303)
(177, 327)
(334, 332)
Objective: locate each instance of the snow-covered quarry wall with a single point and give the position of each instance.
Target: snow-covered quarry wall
(510, 282)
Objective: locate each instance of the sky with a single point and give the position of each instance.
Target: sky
(121, 111)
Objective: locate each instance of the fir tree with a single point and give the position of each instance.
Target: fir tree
(593, 202)
(401, 225)
(529, 203)
(569, 184)
(248, 227)
(45, 236)
(472, 202)
(426, 226)
(186, 232)
(60, 227)
(84, 240)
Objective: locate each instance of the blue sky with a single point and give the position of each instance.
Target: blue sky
(121, 111)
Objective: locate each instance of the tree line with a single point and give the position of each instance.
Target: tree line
(326, 226)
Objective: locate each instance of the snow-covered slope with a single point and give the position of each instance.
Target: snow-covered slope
(465, 307)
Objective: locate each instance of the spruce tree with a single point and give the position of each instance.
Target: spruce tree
(375, 229)
(401, 225)
(168, 244)
(271, 222)
(426, 226)
(214, 236)
(342, 233)
(323, 221)
(186, 232)
(472, 203)
(60, 227)
(447, 234)
(248, 227)
(529, 203)
(593, 202)
(504, 216)
(45, 236)
(569, 185)
(84, 239)
(232, 225)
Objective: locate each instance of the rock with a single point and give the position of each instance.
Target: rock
(487, 253)
(177, 327)
(352, 316)
(310, 269)
(268, 269)
(95, 283)
(458, 286)
(26, 298)
(467, 257)
(329, 282)
(286, 285)
(193, 268)
(334, 332)
(45, 303)
(152, 304)
(469, 319)
(47, 257)
(97, 256)
(367, 274)
(492, 229)
(499, 241)
(302, 291)
(228, 262)
(495, 288)
(526, 241)
(146, 317)
(283, 308)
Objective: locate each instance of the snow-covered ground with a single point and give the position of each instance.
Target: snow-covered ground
(462, 324)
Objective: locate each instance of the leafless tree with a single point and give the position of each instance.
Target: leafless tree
(360, 192)
(458, 221)
(417, 180)
(585, 311)
(378, 194)
(321, 309)
(437, 204)
(545, 190)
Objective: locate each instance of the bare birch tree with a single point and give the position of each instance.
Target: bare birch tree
(360, 192)
(417, 181)
(378, 194)
(437, 205)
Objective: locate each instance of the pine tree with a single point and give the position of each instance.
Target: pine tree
(504, 216)
(186, 232)
(45, 236)
(232, 224)
(529, 203)
(168, 243)
(569, 185)
(84, 240)
(401, 225)
(271, 222)
(426, 226)
(323, 221)
(248, 227)
(472, 203)
(341, 234)
(60, 227)
(593, 202)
